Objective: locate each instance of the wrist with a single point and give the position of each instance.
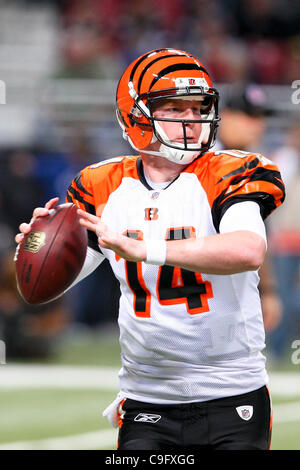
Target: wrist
(156, 252)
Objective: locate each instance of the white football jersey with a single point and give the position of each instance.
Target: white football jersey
(184, 336)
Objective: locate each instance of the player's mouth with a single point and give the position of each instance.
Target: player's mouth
(189, 140)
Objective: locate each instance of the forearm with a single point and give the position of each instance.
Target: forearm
(227, 253)
(224, 253)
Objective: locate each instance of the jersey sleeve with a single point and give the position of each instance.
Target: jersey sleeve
(243, 216)
(80, 192)
(241, 176)
(91, 188)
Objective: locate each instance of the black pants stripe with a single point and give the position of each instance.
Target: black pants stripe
(241, 422)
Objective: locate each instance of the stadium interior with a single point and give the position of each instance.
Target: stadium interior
(59, 66)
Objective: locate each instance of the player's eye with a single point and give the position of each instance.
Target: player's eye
(206, 104)
(197, 110)
(174, 109)
(169, 110)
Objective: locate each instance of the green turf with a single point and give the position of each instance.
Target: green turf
(286, 436)
(40, 414)
(94, 349)
(31, 414)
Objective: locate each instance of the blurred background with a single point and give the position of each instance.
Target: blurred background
(60, 62)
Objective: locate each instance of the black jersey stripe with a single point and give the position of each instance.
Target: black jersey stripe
(265, 201)
(90, 208)
(92, 237)
(69, 198)
(241, 169)
(79, 184)
(262, 174)
(175, 68)
(141, 175)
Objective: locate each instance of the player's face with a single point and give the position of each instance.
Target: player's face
(180, 109)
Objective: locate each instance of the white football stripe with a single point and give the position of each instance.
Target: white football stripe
(90, 440)
(60, 377)
(105, 378)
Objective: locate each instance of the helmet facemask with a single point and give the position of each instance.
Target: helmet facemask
(179, 152)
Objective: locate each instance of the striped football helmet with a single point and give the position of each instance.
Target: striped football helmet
(159, 74)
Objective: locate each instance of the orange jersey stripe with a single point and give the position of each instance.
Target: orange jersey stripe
(254, 187)
(236, 176)
(91, 189)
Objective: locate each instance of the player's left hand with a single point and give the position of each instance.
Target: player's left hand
(125, 247)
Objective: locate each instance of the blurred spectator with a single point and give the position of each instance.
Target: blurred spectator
(267, 60)
(243, 127)
(291, 68)
(87, 40)
(88, 53)
(6, 231)
(226, 58)
(285, 243)
(19, 189)
(95, 301)
(56, 167)
(266, 18)
(237, 39)
(28, 331)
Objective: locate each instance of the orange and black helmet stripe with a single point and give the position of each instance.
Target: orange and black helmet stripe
(166, 70)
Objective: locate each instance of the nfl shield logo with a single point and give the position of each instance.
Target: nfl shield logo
(245, 412)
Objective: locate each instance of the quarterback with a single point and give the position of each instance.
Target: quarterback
(183, 229)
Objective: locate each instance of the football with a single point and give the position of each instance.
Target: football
(51, 255)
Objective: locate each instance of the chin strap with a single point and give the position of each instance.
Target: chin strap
(182, 157)
(178, 155)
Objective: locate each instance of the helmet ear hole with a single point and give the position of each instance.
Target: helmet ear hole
(123, 127)
(140, 134)
(121, 119)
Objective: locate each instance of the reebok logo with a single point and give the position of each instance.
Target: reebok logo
(147, 418)
(245, 412)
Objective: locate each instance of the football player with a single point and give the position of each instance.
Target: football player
(183, 230)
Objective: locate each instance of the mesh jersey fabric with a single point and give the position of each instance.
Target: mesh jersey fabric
(184, 336)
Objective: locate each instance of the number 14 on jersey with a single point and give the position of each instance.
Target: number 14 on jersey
(174, 285)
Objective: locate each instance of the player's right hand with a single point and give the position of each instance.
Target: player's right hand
(38, 212)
